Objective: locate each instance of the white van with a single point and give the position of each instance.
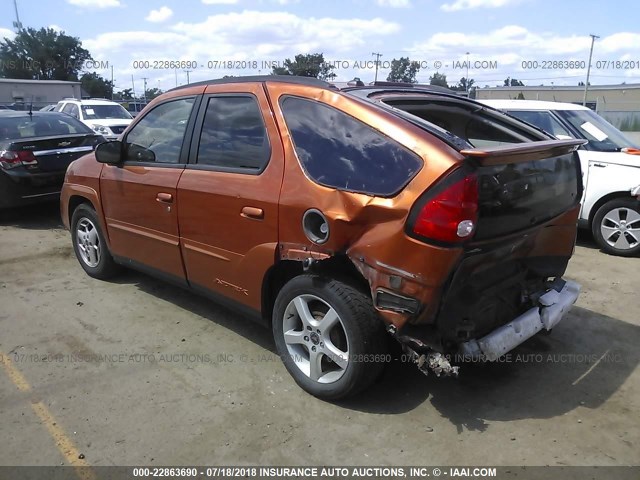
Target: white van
(610, 168)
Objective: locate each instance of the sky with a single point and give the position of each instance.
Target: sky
(536, 41)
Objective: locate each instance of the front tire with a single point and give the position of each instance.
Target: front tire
(328, 336)
(616, 227)
(89, 244)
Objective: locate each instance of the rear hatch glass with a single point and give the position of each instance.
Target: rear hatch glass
(517, 196)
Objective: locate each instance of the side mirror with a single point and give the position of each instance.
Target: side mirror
(109, 152)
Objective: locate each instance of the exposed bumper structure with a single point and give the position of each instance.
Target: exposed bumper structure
(553, 307)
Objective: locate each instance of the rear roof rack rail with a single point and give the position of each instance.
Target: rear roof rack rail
(311, 81)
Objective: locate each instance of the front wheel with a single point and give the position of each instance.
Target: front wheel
(328, 336)
(89, 244)
(616, 227)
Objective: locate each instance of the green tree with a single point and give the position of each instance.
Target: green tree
(42, 54)
(512, 82)
(152, 93)
(306, 65)
(464, 85)
(96, 86)
(439, 79)
(403, 70)
(125, 95)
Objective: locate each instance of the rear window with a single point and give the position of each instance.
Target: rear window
(466, 120)
(338, 151)
(517, 196)
(105, 112)
(40, 126)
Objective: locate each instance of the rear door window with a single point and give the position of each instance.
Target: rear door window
(233, 135)
(338, 151)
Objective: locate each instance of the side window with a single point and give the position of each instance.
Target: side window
(58, 107)
(71, 109)
(543, 120)
(338, 151)
(234, 135)
(159, 135)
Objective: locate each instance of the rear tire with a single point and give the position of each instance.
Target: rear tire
(89, 244)
(616, 227)
(329, 336)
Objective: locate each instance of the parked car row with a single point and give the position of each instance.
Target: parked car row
(336, 216)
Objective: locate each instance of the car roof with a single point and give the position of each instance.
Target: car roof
(531, 105)
(311, 81)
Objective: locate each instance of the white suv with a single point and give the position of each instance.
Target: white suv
(105, 117)
(610, 169)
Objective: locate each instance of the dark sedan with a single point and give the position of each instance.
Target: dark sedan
(35, 150)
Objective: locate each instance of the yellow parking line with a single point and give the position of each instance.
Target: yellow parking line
(14, 374)
(65, 445)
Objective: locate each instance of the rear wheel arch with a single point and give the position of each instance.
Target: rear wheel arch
(601, 201)
(338, 267)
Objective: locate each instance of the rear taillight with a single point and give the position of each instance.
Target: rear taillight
(451, 214)
(10, 159)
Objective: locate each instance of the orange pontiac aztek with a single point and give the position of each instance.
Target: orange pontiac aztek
(340, 218)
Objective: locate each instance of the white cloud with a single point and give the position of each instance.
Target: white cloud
(95, 3)
(508, 39)
(515, 48)
(249, 31)
(255, 36)
(55, 27)
(618, 41)
(160, 15)
(470, 4)
(219, 2)
(5, 32)
(394, 3)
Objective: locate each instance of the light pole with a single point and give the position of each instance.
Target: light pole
(144, 91)
(586, 84)
(17, 24)
(377, 55)
(466, 80)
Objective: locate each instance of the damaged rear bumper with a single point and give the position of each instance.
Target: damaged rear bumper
(553, 306)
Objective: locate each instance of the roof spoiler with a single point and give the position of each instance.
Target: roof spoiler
(523, 152)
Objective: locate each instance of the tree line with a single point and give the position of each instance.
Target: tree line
(47, 54)
(402, 70)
